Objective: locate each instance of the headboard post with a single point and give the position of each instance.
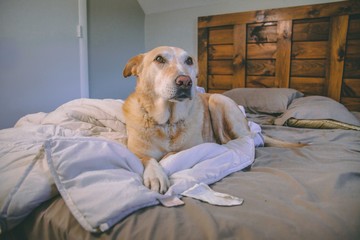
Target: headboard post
(202, 58)
(239, 57)
(337, 43)
(283, 54)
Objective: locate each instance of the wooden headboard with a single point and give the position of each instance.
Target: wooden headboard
(314, 49)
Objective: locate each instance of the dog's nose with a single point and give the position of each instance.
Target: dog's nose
(183, 80)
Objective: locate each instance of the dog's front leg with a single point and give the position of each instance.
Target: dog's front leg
(154, 176)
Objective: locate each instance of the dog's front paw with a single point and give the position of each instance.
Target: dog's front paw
(155, 178)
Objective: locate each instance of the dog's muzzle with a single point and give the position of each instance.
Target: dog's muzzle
(184, 86)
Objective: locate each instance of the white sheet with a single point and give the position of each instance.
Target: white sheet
(24, 175)
(100, 180)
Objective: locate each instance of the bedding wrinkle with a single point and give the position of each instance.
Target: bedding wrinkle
(284, 176)
(205, 222)
(348, 180)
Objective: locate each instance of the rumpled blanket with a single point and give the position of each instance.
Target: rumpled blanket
(78, 151)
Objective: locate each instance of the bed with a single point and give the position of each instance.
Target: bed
(68, 175)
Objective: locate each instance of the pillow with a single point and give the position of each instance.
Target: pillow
(316, 108)
(264, 100)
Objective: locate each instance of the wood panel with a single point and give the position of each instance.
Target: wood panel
(203, 34)
(354, 27)
(239, 62)
(337, 40)
(221, 52)
(352, 68)
(312, 48)
(306, 50)
(262, 33)
(308, 85)
(221, 36)
(308, 68)
(260, 68)
(260, 82)
(353, 104)
(261, 51)
(351, 88)
(224, 67)
(281, 14)
(353, 48)
(223, 82)
(284, 32)
(311, 30)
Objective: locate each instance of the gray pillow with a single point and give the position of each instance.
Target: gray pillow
(264, 100)
(317, 108)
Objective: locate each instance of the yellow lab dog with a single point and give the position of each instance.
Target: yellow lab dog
(165, 113)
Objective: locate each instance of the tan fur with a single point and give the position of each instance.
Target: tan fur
(158, 122)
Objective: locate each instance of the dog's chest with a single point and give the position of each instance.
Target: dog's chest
(179, 135)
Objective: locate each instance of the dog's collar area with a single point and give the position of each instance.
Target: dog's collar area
(152, 121)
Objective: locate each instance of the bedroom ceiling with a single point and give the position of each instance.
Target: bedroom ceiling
(157, 6)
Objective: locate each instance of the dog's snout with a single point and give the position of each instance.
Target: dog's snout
(183, 80)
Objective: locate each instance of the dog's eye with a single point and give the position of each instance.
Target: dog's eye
(160, 59)
(189, 61)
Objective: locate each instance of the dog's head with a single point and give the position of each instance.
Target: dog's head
(166, 72)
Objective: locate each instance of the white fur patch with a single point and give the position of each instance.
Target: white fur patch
(155, 178)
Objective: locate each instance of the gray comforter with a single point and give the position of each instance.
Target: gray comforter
(302, 193)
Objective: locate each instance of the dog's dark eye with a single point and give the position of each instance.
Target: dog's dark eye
(189, 61)
(160, 59)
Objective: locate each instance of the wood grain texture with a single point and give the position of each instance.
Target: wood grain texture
(221, 52)
(308, 85)
(203, 57)
(313, 48)
(311, 30)
(336, 55)
(221, 36)
(223, 82)
(261, 67)
(261, 51)
(353, 48)
(282, 14)
(308, 68)
(221, 67)
(307, 50)
(283, 54)
(354, 27)
(350, 88)
(260, 82)
(239, 61)
(352, 67)
(353, 104)
(262, 33)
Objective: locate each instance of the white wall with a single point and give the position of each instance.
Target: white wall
(39, 56)
(115, 34)
(179, 27)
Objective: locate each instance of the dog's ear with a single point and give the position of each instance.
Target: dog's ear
(133, 66)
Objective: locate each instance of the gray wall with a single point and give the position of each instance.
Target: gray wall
(39, 56)
(39, 52)
(179, 27)
(115, 34)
